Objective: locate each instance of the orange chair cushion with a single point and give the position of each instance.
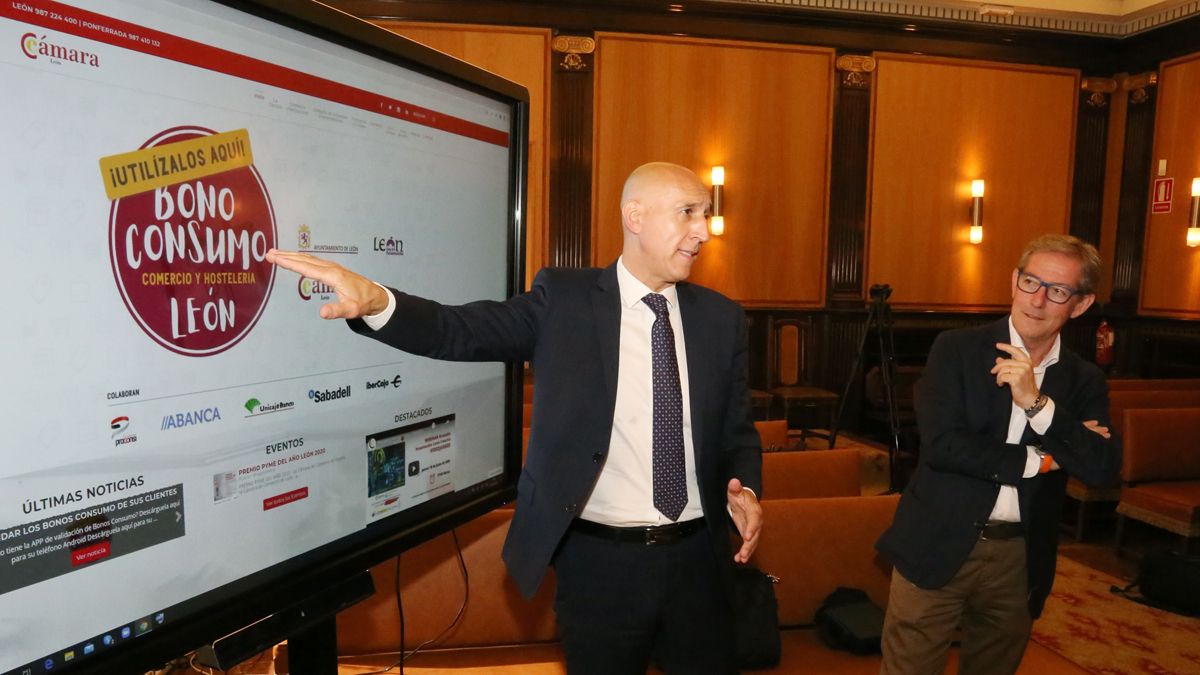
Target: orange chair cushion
(1173, 500)
(1161, 444)
(816, 545)
(773, 434)
(1120, 401)
(1077, 489)
(811, 473)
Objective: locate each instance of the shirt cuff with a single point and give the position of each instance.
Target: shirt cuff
(729, 509)
(377, 321)
(1033, 462)
(1041, 421)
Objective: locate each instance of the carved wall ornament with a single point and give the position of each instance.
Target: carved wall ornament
(855, 79)
(856, 63)
(856, 70)
(577, 44)
(1137, 85)
(573, 47)
(1102, 85)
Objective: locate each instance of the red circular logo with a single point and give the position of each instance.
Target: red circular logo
(189, 258)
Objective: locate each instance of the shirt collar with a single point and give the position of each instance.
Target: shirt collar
(1014, 338)
(633, 290)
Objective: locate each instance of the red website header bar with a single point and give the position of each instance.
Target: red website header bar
(92, 26)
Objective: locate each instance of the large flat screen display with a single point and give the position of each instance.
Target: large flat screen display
(185, 441)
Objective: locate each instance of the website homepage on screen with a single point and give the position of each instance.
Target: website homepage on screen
(177, 416)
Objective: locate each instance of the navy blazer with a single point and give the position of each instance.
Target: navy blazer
(568, 327)
(965, 457)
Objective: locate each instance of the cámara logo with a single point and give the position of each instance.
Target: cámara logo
(35, 47)
(310, 287)
(120, 431)
(190, 418)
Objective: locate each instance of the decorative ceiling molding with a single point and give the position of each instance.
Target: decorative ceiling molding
(1005, 15)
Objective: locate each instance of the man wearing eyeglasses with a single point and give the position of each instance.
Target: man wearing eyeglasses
(1006, 414)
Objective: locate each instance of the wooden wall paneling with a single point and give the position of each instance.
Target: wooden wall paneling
(936, 125)
(570, 227)
(523, 56)
(763, 112)
(1091, 145)
(848, 186)
(1170, 269)
(1135, 193)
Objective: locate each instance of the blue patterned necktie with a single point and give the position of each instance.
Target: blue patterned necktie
(670, 485)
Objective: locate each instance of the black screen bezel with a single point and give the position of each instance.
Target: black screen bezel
(262, 593)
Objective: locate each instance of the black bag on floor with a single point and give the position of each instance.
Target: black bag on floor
(1169, 581)
(849, 621)
(756, 617)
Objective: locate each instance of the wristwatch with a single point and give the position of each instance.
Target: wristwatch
(1038, 404)
(1045, 461)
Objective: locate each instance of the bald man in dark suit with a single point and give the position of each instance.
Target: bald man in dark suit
(641, 456)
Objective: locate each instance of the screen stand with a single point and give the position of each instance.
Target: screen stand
(308, 625)
(313, 651)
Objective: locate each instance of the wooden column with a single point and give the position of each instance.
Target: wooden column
(1135, 191)
(569, 229)
(848, 180)
(1091, 146)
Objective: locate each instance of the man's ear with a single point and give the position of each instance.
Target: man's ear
(1083, 305)
(631, 213)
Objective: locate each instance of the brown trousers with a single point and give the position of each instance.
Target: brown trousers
(987, 599)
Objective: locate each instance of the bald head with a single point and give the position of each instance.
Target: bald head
(653, 177)
(663, 212)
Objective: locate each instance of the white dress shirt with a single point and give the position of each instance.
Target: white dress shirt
(1008, 507)
(624, 493)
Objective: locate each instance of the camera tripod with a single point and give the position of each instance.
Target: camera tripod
(879, 319)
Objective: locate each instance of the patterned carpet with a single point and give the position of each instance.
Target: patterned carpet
(1111, 635)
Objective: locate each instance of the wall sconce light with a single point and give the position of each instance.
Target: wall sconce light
(717, 222)
(1193, 233)
(976, 211)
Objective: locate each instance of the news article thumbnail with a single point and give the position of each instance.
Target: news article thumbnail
(409, 464)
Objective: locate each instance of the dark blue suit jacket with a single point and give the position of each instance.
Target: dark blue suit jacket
(964, 459)
(568, 327)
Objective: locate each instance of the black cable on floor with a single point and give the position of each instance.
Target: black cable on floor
(462, 608)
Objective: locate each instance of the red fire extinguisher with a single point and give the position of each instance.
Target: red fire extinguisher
(1104, 344)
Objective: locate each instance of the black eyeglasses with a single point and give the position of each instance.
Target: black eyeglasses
(1056, 293)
